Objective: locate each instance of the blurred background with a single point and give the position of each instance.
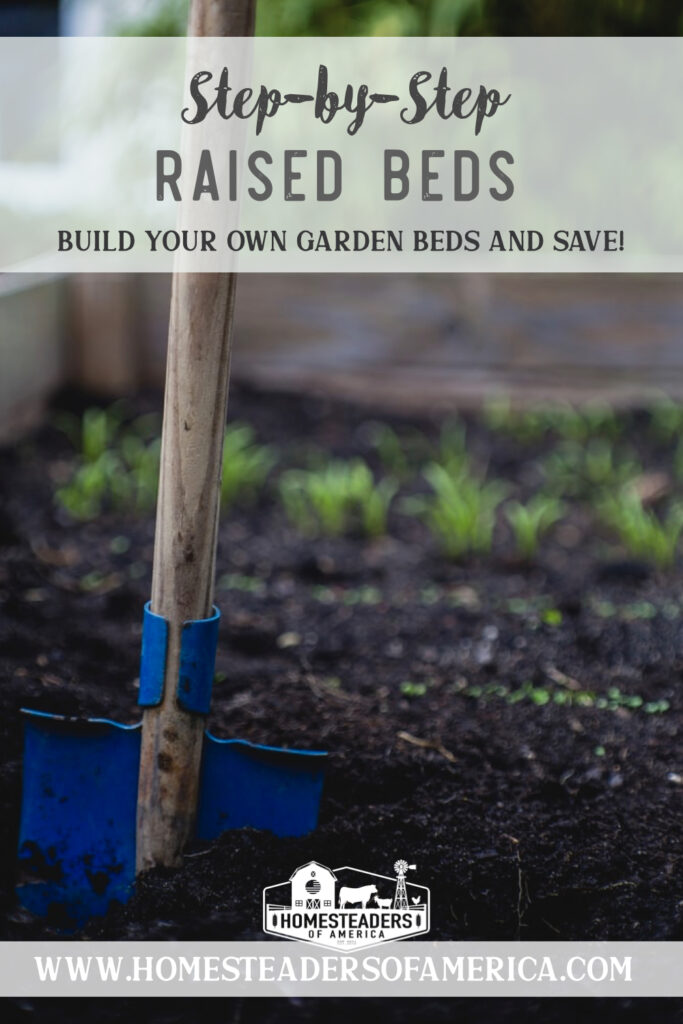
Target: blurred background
(398, 342)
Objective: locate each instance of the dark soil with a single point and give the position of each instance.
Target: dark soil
(526, 820)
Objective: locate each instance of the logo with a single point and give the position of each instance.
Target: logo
(346, 908)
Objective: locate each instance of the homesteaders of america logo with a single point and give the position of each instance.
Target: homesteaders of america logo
(346, 908)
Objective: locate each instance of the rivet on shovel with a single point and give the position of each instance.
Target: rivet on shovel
(87, 782)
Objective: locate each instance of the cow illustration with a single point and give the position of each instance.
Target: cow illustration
(362, 895)
(384, 904)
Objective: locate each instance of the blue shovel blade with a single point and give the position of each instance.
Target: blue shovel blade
(77, 832)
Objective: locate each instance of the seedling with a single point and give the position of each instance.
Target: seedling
(94, 433)
(140, 471)
(119, 545)
(431, 594)
(461, 512)
(361, 595)
(452, 451)
(575, 469)
(246, 466)
(84, 495)
(390, 450)
(551, 617)
(635, 611)
(118, 467)
(590, 421)
(245, 584)
(412, 690)
(337, 498)
(347, 595)
(531, 521)
(525, 606)
(526, 426)
(602, 469)
(532, 425)
(374, 505)
(638, 610)
(613, 700)
(399, 455)
(640, 531)
(666, 419)
(678, 461)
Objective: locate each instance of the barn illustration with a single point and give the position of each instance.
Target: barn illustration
(313, 887)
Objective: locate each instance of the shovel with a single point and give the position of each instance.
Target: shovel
(102, 801)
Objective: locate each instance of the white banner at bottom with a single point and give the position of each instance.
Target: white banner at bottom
(288, 969)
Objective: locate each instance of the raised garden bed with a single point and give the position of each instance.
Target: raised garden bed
(511, 726)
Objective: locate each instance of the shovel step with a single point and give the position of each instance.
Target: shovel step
(77, 832)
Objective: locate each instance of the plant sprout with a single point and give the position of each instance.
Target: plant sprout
(613, 700)
(139, 473)
(91, 484)
(666, 419)
(531, 425)
(452, 450)
(374, 507)
(117, 466)
(592, 420)
(337, 497)
(461, 512)
(575, 469)
(525, 426)
(678, 461)
(92, 434)
(399, 454)
(639, 529)
(411, 689)
(531, 521)
(245, 465)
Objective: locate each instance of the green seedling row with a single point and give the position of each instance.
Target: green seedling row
(440, 482)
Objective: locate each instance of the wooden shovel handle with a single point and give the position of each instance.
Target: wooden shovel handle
(222, 18)
(197, 374)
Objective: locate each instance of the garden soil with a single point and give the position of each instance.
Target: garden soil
(527, 818)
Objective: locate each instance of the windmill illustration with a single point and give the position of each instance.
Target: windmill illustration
(401, 897)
